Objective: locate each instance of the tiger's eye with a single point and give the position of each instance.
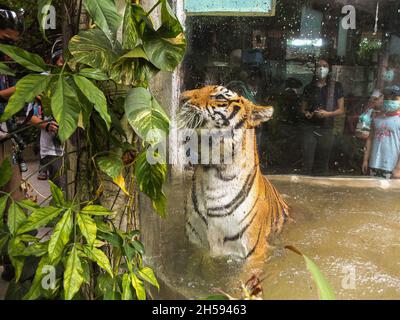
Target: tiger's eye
(220, 97)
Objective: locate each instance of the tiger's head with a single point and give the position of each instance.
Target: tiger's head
(216, 107)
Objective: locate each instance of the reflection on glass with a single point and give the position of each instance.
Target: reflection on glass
(320, 127)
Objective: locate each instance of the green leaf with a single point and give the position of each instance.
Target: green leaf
(95, 96)
(42, 15)
(86, 271)
(39, 218)
(164, 53)
(66, 109)
(60, 236)
(37, 249)
(102, 226)
(111, 165)
(5, 70)
(99, 257)
(324, 288)
(138, 246)
(15, 248)
(26, 90)
(16, 217)
(3, 241)
(36, 287)
(91, 47)
(3, 203)
(88, 227)
(150, 179)
(139, 287)
(113, 238)
(28, 205)
(95, 74)
(126, 287)
(129, 251)
(27, 238)
(58, 196)
(105, 16)
(6, 172)
(96, 210)
(130, 36)
(147, 274)
(160, 205)
(129, 68)
(18, 264)
(26, 59)
(73, 274)
(107, 286)
(145, 115)
(170, 25)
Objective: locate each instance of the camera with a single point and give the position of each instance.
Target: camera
(12, 127)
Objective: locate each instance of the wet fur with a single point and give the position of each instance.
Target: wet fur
(231, 209)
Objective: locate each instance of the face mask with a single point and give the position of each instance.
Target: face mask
(391, 106)
(322, 72)
(388, 75)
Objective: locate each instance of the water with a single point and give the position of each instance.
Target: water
(349, 227)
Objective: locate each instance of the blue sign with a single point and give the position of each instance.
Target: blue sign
(230, 7)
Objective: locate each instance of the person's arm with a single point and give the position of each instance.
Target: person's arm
(329, 114)
(367, 153)
(50, 126)
(7, 93)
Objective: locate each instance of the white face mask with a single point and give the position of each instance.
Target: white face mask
(322, 72)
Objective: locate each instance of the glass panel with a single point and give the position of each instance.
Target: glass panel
(324, 66)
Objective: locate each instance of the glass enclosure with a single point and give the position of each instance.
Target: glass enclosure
(281, 59)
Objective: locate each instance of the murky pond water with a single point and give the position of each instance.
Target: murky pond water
(350, 228)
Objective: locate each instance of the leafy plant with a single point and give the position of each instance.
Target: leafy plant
(103, 85)
(99, 58)
(325, 290)
(80, 237)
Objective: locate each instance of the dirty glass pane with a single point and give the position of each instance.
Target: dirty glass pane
(276, 60)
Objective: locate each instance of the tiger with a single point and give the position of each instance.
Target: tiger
(231, 208)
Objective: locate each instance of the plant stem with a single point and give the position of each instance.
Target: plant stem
(155, 6)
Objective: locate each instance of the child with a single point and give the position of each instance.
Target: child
(382, 154)
(373, 108)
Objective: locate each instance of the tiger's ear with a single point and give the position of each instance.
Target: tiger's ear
(260, 114)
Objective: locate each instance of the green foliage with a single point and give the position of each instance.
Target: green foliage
(77, 240)
(105, 16)
(27, 89)
(5, 172)
(103, 82)
(28, 60)
(145, 115)
(150, 178)
(5, 70)
(324, 287)
(99, 57)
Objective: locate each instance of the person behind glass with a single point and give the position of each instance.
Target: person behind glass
(382, 152)
(323, 100)
(374, 107)
(51, 149)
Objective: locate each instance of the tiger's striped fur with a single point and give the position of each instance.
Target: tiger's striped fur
(231, 208)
